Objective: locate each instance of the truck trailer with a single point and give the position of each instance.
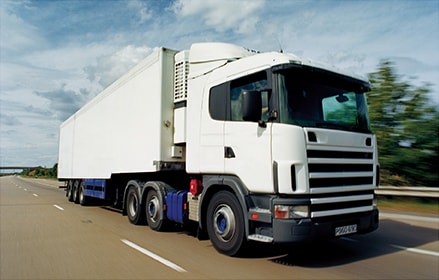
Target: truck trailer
(246, 146)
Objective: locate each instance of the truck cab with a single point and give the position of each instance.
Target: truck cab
(289, 138)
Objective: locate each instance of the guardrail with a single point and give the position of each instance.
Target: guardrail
(426, 192)
(16, 167)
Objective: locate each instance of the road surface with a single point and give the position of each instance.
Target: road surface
(43, 236)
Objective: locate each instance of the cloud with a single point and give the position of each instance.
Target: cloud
(69, 96)
(142, 9)
(108, 68)
(62, 102)
(411, 65)
(9, 120)
(17, 34)
(222, 15)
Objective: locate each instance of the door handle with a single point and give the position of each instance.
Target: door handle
(228, 152)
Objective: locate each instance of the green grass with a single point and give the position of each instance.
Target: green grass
(409, 204)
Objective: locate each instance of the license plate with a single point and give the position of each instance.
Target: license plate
(345, 230)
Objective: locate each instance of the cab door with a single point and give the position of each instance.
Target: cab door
(247, 144)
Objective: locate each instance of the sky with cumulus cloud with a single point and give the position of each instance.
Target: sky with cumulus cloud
(57, 55)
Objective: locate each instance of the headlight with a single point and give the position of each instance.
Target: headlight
(291, 212)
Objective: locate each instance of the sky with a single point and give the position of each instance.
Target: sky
(57, 55)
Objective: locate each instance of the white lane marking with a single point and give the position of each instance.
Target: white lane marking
(34, 194)
(153, 256)
(414, 250)
(59, 207)
(25, 190)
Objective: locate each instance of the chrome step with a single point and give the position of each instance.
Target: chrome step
(260, 238)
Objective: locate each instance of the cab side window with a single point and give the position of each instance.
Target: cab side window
(225, 100)
(255, 82)
(218, 102)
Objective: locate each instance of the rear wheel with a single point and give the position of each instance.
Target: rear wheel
(133, 206)
(75, 191)
(83, 200)
(154, 211)
(69, 190)
(225, 223)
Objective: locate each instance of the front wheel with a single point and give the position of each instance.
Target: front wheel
(225, 223)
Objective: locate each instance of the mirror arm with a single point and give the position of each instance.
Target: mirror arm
(262, 124)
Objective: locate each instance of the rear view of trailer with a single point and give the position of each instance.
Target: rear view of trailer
(128, 128)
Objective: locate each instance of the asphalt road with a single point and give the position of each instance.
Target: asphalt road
(43, 236)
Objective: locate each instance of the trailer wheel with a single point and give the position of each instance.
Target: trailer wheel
(69, 190)
(225, 223)
(133, 205)
(154, 211)
(83, 200)
(75, 191)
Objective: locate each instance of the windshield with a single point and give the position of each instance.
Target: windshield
(311, 98)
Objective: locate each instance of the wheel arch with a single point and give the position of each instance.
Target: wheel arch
(160, 187)
(139, 187)
(214, 184)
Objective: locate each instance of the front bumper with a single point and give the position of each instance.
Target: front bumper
(292, 230)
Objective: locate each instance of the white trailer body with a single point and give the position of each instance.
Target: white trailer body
(125, 129)
(267, 147)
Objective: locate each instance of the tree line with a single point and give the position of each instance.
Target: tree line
(405, 120)
(42, 172)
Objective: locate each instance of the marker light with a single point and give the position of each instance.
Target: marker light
(196, 186)
(291, 212)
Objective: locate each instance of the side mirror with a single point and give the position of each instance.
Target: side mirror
(251, 105)
(342, 98)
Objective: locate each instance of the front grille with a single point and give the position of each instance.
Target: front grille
(341, 182)
(339, 168)
(341, 205)
(338, 154)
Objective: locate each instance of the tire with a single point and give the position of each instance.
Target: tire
(83, 200)
(69, 190)
(225, 224)
(75, 191)
(134, 206)
(154, 211)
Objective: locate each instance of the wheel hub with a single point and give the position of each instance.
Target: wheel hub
(224, 222)
(153, 208)
(132, 205)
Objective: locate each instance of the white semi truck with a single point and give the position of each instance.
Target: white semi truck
(248, 146)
